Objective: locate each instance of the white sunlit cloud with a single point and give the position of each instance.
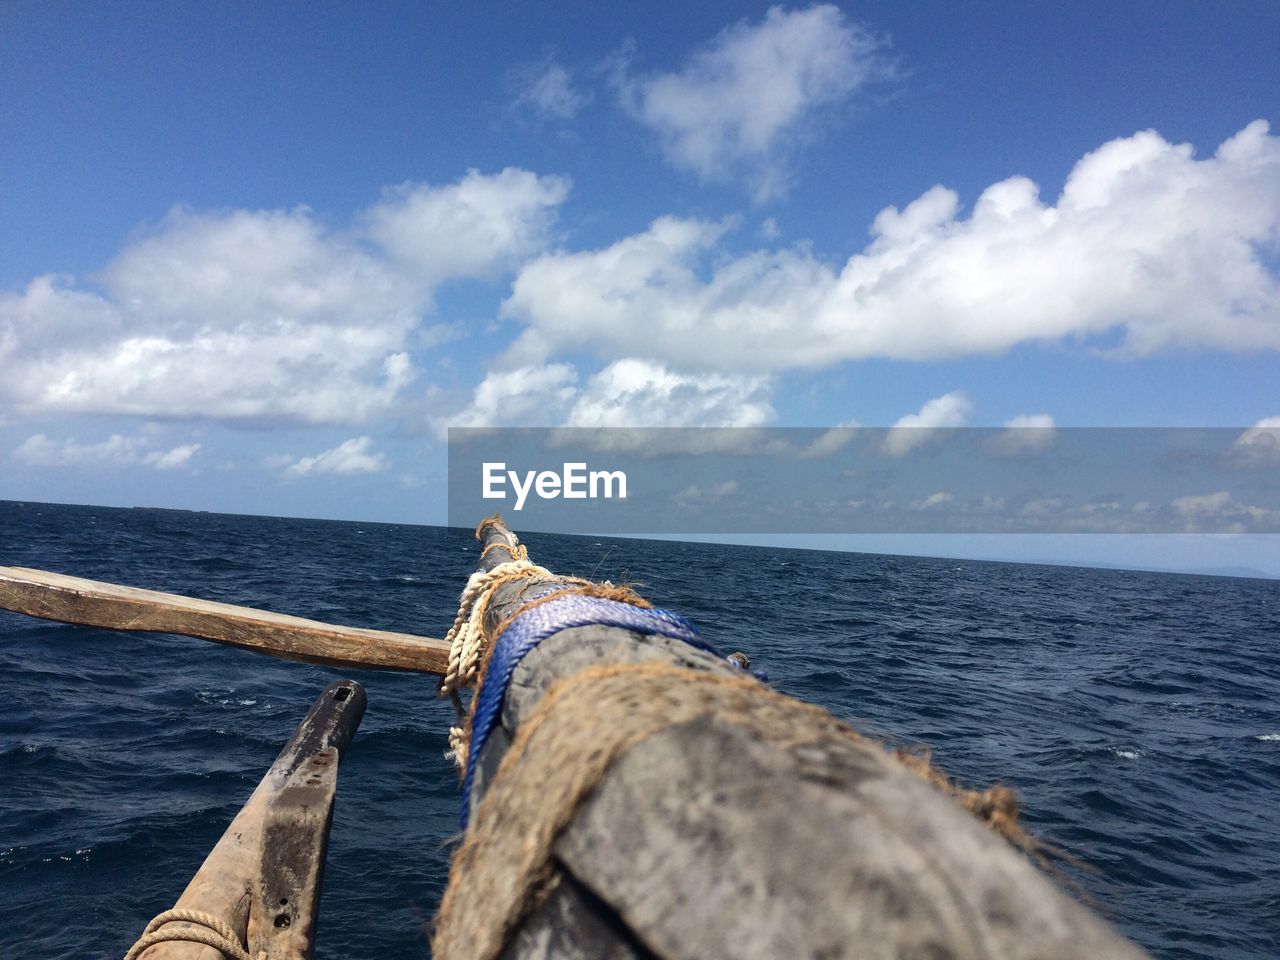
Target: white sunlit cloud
(1260, 443)
(918, 429)
(39, 450)
(933, 501)
(638, 393)
(626, 393)
(742, 104)
(831, 441)
(264, 316)
(531, 396)
(1026, 433)
(1219, 510)
(354, 456)
(1147, 246)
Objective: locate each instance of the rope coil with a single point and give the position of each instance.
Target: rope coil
(203, 928)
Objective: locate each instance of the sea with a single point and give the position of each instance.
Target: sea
(1137, 714)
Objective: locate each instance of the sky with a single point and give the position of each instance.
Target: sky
(258, 258)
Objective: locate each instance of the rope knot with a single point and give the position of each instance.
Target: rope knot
(199, 927)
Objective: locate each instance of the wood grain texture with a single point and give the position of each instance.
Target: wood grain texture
(228, 883)
(712, 843)
(707, 842)
(573, 924)
(55, 596)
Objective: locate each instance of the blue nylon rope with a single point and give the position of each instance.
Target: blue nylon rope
(531, 628)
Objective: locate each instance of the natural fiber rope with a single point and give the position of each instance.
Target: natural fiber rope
(467, 637)
(204, 928)
(551, 767)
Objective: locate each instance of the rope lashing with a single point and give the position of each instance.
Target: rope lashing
(203, 928)
(530, 628)
(467, 637)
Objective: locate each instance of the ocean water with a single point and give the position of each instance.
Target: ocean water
(1138, 714)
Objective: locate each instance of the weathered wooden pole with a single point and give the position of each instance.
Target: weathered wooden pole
(55, 596)
(715, 836)
(262, 880)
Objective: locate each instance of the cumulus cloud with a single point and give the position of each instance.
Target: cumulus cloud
(637, 393)
(1147, 246)
(261, 316)
(1026, 433)
(918, 429)
(531, 396)
(473, 228)
(742, 104)
(1260, 443)
(172, 459)
(1219, 511)
(39, 450)
(546, 89)
(831, 441)
(354, 456)
(626, 393)
(934, 500)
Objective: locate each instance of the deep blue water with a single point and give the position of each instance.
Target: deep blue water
(1137, 713)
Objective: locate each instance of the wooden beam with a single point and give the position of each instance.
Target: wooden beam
(55, 596)
(706, 841)
(263, 877)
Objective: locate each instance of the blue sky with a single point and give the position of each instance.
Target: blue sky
(257, 258)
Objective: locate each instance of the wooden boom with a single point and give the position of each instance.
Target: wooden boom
(54, 596)
(703, 842)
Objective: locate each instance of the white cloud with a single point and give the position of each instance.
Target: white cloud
(627, 393)
(1146, 244)
(1203, 505)
(532, 396)
(1026, 433)
(547, 89)
(473, 228)
(263, 316)
(939, 499)
(637, 393)
(1260, 443)
(354, 456)
(39, 450)
(172, 459)
(917, 429)
(831, 441)
(1220, 512)
(742, 104)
